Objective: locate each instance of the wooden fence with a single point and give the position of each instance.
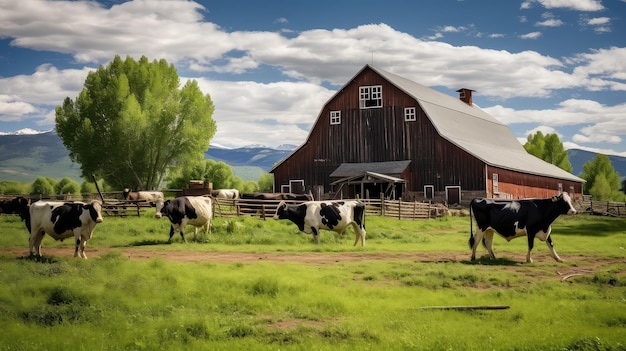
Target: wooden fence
(390, 208)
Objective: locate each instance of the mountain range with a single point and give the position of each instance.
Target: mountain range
(26, 155)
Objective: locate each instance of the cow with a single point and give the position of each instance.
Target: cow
(225, 194)
(154, 198)
(277, 196)
(311, 216)
(188, 210)
(62, 220)
(17, 205)
(514, 218)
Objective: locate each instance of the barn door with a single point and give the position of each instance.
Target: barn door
(453, 195)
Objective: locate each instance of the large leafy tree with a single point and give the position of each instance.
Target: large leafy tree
(131, 122)
(548, 148)
(603, 181)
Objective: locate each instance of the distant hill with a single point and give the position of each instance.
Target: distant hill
(26, 156)
(579, 157)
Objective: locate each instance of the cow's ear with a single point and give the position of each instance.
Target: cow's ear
(555, 198)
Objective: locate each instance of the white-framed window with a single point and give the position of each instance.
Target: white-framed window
(429, 192)
(494, 177)
(409, 114)
(560, 187)
(371, 96)
(335, 117)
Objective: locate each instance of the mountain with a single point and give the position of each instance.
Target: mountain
(579, 157)
(28, 154)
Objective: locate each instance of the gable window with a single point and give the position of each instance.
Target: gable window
(335, 117)
(371, 96)
(409, 114)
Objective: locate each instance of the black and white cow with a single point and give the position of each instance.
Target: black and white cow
(154, 198)
(312, 216)
(16, 205)
(62, 220)
(188, 210)
(225, 193)
(514, 218)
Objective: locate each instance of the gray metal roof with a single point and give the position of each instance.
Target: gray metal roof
(389, 168)
(474, 131)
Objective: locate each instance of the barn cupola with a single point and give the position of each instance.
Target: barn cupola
(465, 95)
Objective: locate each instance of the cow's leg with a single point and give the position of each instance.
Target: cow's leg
(171, 233)
(36, 242)
(488, 242)
(531, 244)
(316, 234)
(478, 238)
(359, 234)
(80, 247)
(552, 251)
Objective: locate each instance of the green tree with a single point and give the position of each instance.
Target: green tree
(603, 181)
(548, 148)
(42, 186)
(220, 174)
(13, 187)
(266, 182)
(131, 123)
(67, 186)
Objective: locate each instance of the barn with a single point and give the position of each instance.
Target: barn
(385, 134)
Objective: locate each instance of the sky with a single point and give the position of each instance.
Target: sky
(556, 66)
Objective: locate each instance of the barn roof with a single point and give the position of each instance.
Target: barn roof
(475, 131)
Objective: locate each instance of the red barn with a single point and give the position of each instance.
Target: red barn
(382, 133)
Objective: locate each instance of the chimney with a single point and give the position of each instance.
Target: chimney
(465, 95)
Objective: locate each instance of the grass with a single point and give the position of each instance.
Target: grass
(111, 302)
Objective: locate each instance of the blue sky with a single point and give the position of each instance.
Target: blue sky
(558, 66)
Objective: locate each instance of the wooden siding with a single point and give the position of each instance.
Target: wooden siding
(382, 134)
(515, 185)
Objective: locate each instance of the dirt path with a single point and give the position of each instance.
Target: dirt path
(578, 262)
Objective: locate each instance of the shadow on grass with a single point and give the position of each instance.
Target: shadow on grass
(150, 242)
(486, 261)
(40, 259)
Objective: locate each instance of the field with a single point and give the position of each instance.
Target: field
(262, 285)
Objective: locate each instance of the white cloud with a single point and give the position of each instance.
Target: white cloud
(531, 35)
(598, 21)
(578, 5)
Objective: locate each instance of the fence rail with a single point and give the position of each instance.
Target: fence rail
(390, 208)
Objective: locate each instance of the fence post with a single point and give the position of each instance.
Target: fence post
(382, 205)
(399, 209)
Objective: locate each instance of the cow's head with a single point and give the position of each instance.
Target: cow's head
(159, 206)
(95, 211)
(163, 210)
(282, 211)
(565, 203)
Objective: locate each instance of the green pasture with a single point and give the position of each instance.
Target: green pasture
(112, 302)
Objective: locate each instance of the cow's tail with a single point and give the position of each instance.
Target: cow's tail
(471, 238)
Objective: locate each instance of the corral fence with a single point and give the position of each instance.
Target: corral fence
(600, 208)
(377, 207)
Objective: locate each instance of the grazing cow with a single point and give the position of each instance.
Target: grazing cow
(17, 205)
(154, 198)
(276, 196)
(225, 193)
(62, 220)
(188, 210)
(312, 216)
(515, 218)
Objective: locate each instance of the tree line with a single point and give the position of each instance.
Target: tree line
(602, 180)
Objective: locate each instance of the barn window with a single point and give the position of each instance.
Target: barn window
(495, 183)
(560, 187)
(371, 96)
(409, 114)
(335, 117)
(429, 192)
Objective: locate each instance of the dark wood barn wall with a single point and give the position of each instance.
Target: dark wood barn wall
(378, 135)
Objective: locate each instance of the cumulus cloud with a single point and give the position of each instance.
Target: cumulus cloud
(578, 5)
(531, 35)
